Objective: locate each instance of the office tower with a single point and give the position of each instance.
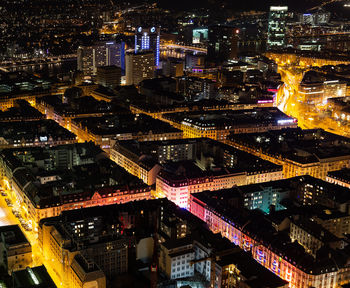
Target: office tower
(139, 67)
(194, 60)
(100, 54)
(318, 18)
(222, 44)
(200, 35)
(173, 67)
(276, 37)
(148, 39)
(109, 76)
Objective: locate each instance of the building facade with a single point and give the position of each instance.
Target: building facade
(139, 67)
(276, 35)
(148, 39)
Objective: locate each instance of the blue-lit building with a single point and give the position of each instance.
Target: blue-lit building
(148, 39)
(264, 195)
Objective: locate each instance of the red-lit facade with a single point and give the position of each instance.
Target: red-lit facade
(266, 255)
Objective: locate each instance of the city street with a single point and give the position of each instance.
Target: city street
(8, 218)
(309, 116)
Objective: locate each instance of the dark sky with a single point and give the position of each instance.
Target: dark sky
(294, 5)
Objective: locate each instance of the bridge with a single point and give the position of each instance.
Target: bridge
(183, 47)
(19, 64)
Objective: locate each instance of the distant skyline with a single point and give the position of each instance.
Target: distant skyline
(294, 5)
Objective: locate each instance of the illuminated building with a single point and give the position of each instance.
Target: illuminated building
(22, 86)
(48, 191)
(157, 112)
(99, 241)
(339, 107)
(233, 272)
(108, 76)
(334, 221)
(222, 42)
(148, 39)
(264, 195)
(209, 165)
(276, 35)
(219, 124)
(306, 58)
(67, 246)
(15, 249)
(195, 88)
(269, 248)
(318, 18)
(100, 54)
(106, 130)
(63, 111)
(201, 252)
(176, 256)
(135, 156)
(312, 236)
(21, 111)
(194, 60)
(139, 67)
(84, 272)
(33, 277)
(339, 177)
(297, 150)
(34, 134)
(200, 35)
(135, 161)
(316, 89)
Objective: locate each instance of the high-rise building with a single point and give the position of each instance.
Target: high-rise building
(222, 44)
(319, 18)
(100, 54)
(139, 67)
(276, 37)
(148, 39)
(109, 76)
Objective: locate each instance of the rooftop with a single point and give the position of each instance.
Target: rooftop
(128, 123)
(259, 227)
(81, 105)
(255, 274)
(342, 175)
(36, 277)
(38, 131)
(20, 112)
(12, 235)
(295, 144)
(228, 119)
(74, 164)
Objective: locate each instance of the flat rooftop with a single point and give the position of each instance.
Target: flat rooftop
(12, 235)
(341, 175)
(21, 111)
(302, 146)
(128, 123)
(31, 131)
(81, 105)
(79, 171)
(227, 119)
(36, 277)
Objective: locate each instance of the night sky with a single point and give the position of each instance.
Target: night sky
(246, 5)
